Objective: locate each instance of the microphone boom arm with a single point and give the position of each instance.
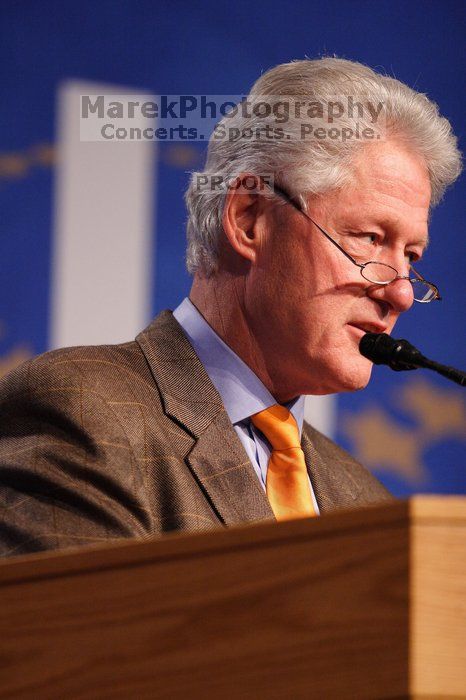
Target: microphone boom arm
(400, 355)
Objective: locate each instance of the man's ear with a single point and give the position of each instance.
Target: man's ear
(240, 212)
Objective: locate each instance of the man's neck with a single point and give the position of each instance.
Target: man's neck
(219, 300)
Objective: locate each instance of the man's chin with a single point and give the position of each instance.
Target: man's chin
(339, 385)
(353, 378)
(328, 378)
(358, 380)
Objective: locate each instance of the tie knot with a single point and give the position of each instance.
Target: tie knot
(279, 427)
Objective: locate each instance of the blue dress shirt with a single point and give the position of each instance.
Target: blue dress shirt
(241, 391)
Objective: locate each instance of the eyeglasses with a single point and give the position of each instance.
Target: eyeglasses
(372, 271)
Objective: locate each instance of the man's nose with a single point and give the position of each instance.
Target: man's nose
(398, 294)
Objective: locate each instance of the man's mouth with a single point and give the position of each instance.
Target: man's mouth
(369, 327)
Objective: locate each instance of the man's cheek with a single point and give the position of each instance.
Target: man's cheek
(392, 323)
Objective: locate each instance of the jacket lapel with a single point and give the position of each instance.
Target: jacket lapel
(330, 476)
(217, 458)
(221, 465)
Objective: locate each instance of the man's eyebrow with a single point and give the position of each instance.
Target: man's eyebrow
(423, 241)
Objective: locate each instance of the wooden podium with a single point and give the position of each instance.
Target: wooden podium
(360, 604)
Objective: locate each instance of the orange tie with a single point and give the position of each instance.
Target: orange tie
(287, 481)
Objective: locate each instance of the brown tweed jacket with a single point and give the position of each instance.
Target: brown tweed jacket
(133, 440)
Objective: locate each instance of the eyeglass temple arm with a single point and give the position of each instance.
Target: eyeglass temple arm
(291, 201)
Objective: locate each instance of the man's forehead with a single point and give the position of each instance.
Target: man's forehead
(365, 206)
(391, 170)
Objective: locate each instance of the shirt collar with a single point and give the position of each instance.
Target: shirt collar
(242, 392)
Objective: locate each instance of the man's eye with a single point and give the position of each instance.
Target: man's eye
(371, 238)
(412, 257)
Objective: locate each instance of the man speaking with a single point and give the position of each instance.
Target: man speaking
(198, 423)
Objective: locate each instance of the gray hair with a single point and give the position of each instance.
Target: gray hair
(314, 166)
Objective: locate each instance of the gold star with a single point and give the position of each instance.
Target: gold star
(19, 164)
(15, 358)
(43, 154)
(13, 165)
(181, 156)
(382, 444)
(440, 412)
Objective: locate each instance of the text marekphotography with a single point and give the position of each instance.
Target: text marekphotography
(113, 118)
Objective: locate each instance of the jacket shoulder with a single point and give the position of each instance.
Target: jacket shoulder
(95, 364)
(72, 448)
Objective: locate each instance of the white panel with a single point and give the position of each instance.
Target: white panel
(320, 412)
(101, 278)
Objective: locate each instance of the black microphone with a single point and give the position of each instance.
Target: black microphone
(400, 355)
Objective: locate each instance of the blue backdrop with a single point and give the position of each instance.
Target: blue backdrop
(409, 428)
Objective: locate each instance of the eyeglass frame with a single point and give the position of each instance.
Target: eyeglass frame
(285, 196)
